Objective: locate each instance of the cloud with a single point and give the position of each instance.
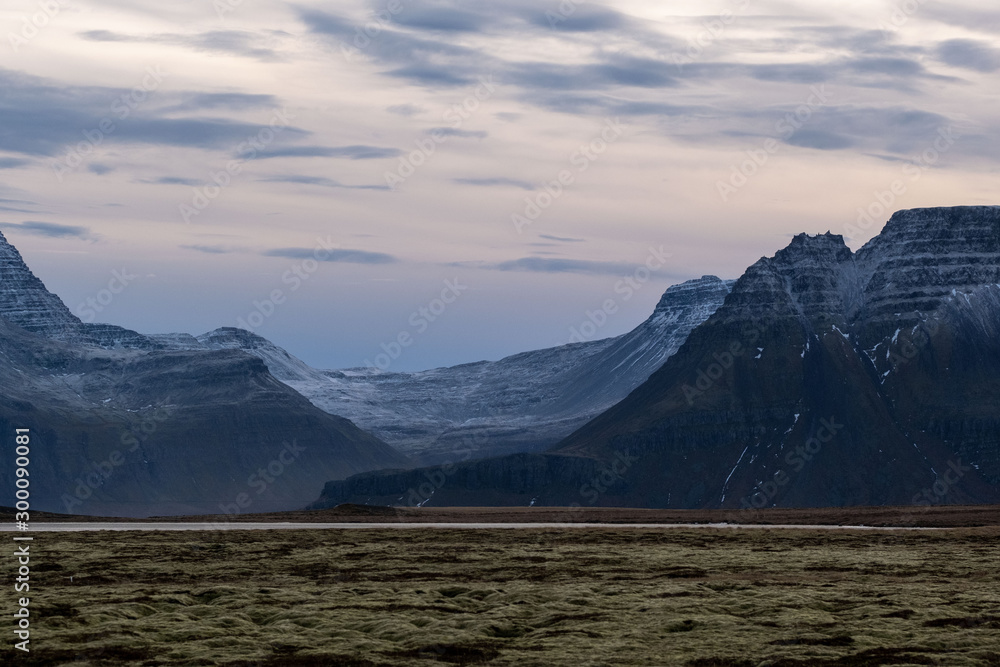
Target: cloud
(491, 182)
(980, 20)
(615, 71)
(318, 180)
(582, 18)
(173, 180)
(428, 74)
(99, 169)
(357, 152)
(210, 249)
(105, 36)
(455, 132)
(896, 67)
(405, 109)
(876, 130)
(13, 162)
(42, 117)
(564, 239)
(547, 265)
(969, 54)
(230, 101)
(231, 42)
(441, 17)
(18, 204)
(336, 255)
(51, 229)
(820, 139)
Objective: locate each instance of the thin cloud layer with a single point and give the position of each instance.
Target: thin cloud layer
(554, 265)
(50, 229)
(334, 255)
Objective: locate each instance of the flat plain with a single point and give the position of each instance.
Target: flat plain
(572, 596)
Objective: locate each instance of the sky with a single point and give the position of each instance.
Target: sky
(417, 183)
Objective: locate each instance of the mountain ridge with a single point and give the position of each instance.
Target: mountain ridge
(521, 403)
(799, 389)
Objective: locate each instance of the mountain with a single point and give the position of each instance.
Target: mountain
(126, 424)
(826, 378)
(25, 302)
(523, 403)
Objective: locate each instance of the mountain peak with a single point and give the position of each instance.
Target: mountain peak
(924, 255)
(692, 300)
(817, 247)
(26, 302)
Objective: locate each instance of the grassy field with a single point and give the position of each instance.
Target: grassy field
(621, 596)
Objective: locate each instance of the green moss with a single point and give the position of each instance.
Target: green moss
(536, 597)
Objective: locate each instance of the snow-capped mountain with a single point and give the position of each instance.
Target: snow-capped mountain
(522, 403)
(827, 378)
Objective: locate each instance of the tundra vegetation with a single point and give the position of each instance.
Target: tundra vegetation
(573, 596)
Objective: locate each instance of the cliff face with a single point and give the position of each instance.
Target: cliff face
(826, 378)
(924, 256)
(122, 425)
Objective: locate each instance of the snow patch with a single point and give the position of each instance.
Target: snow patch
(726, 484)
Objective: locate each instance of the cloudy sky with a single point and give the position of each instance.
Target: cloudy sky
(330, 174)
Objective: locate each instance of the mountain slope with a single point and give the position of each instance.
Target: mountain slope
(144, 429)
(522, 403)
(826, 378)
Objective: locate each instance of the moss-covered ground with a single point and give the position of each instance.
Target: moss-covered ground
(618, 596)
